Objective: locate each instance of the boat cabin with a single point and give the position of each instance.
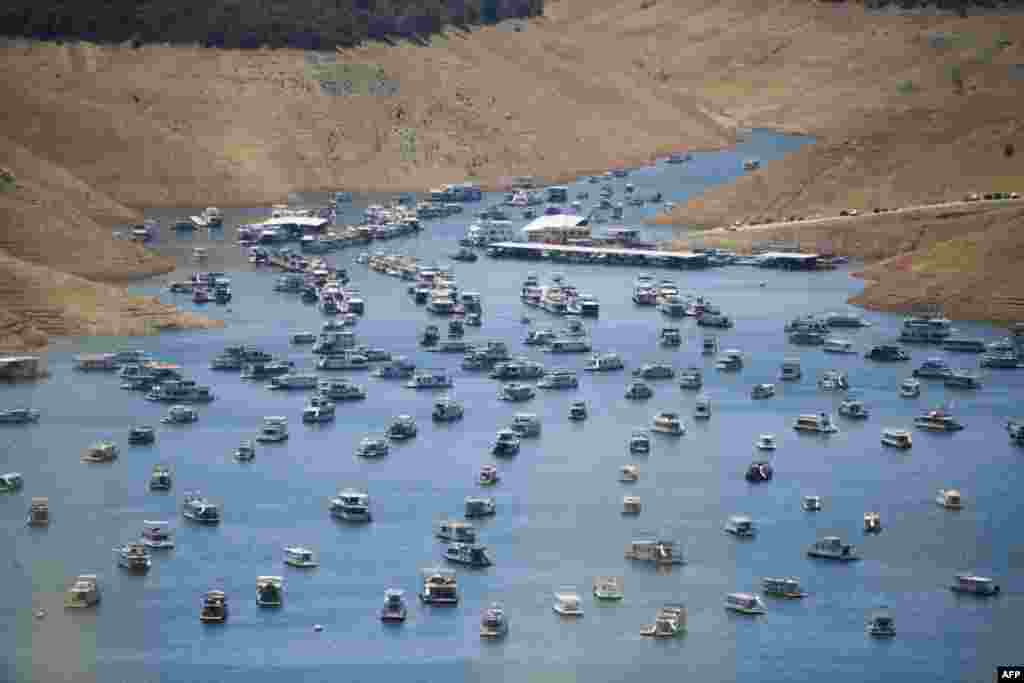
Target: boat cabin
(39, 512)
(658, 551)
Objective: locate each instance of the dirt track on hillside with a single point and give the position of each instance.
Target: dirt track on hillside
(93, 133)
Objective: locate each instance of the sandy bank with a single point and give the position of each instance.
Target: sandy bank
(966, 259)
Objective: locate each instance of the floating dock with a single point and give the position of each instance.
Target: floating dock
(615, 255)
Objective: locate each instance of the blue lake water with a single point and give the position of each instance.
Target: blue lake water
(559, 501)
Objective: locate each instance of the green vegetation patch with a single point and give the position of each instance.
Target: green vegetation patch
(7, 180)
(350, 79)
(905, 87)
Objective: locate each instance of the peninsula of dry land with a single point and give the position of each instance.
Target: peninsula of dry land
(905, 109)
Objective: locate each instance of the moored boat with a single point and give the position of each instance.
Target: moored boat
(783, 588)
(832, 548)
(744, 603)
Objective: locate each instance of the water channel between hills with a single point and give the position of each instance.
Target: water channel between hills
(559, 502)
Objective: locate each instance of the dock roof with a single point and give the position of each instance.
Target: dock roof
(555, 222)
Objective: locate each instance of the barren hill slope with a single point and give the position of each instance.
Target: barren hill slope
(589, 85)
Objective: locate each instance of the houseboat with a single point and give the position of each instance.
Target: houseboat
(655, 550)
(351, 505)
(949, 499)
(479, 507)
(762, 391)
(744, 603)
(447, 409)
(567, 602)
(506, 442)
(180, 391)
(319, 410)
(765, 442)
(347, 360)
(518, 369)
(608, 588)
(631, 505)
(38, 512)
(783, 588)
(655, 371)
(887, 353)
(1016, 431)
(832, 548)
(820, 424)
(454, 530)
(488, 475)
(133, 557)
(141, 435)
(974, 585)
(215, 608)
(670, 337)
(702, 407)
(845, 320)
(160, 478)
(540, 337)
(11, 482)
(569, 346)
(101, 451)
(399, 368)
(300, 558)
(669, 622)
(640, 442)
(439, 587)
(196, 508)
(341, 390)
(493, 622)
(274, 430)
(691, 378)
(294, 381)
(965, 345)
(730, 360)
(896, 438)
(84, 592)
(910, 388)
(372, 446)
(841, 346)
(604, 362)
(872, 522)
(741, 526)
(881, 624)
(709, 346)
(853, 409)
(157, 534)
(394, 608)
(525, 424)
(269, 591)
(833, 380)
(578, 411)
(515, 392)
(180, 415)
(933, 368)
(19, 416)
(638, 390)
(430, 336)
(468, 554)
(559, 379)
(962, 379)
(758, 471)
(430, 379)
(790, 370)
(668, 423)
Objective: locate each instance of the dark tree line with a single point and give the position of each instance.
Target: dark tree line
(305, 24)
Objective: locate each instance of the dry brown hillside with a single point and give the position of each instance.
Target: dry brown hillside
(965, 259)
(591, 84)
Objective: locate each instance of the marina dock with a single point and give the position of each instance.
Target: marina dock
(616, 255)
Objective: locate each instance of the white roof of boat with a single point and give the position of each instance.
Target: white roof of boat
(304, 221)
(555, 222)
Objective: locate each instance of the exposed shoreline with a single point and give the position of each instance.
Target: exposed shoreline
(550, 101)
